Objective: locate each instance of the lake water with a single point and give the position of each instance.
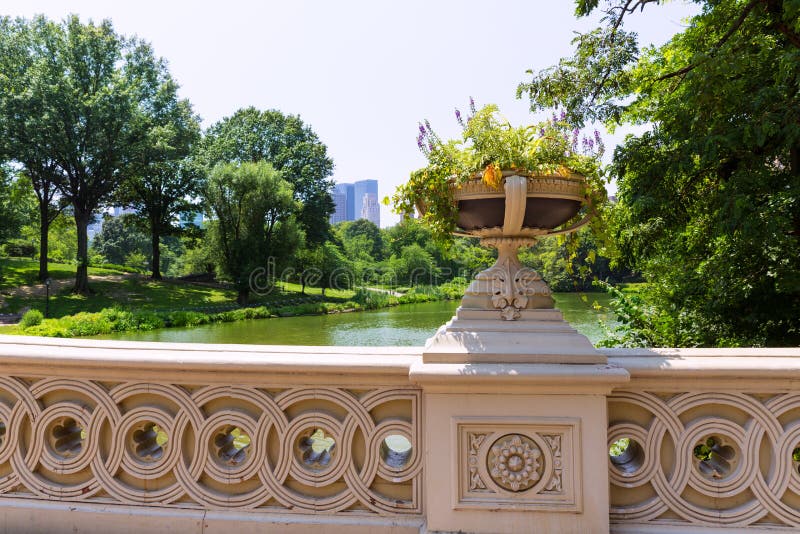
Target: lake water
(409, 324)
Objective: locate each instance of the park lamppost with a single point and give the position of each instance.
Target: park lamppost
(47, 298)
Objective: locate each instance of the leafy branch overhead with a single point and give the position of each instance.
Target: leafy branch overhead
(709, 197)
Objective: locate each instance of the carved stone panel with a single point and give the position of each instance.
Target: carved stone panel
(518, 463)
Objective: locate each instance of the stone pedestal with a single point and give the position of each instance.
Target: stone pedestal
(515, 425)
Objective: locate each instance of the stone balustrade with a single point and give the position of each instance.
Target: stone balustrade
(183, 430)
(705, 438)
(113, 437)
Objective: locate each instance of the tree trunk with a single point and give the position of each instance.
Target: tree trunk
(156, 263)
(44, 230)
(243, 296)
(302, 285)
(82, 274)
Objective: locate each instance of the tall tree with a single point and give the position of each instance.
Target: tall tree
(163, 180)
(249, 202)
(88, 85)
(24, 70)
(291, 147)
(709, 198)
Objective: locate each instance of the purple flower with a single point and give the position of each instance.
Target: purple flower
(472, 105)
(541, 132)
(419, 142)
(458, 118)
(597, 137)
(430, 146)
(428, 126)
(555, 119)
(563, 115)
(421, 129)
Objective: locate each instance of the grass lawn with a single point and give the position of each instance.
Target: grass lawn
(15, 272)
(132, 292)
(343, 294)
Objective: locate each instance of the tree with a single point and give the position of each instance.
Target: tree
(249, 202)
(367, 234)
(24, 66)
(291, 147)
(119, 238)
(709, 198)
(163, 179)
(14, 204)
(324, 266)
(87, 86)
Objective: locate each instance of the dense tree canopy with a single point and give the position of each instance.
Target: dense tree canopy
(284, 141)
(72, 94)
(249, 203)
(709, 198)
(120, 239)
(163, 179)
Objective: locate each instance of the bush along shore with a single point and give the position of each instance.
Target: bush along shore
(120, 320)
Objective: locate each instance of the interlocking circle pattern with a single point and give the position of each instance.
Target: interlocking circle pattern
(709, 459)
(209, 447)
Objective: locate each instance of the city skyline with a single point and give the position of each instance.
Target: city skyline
(357, 200)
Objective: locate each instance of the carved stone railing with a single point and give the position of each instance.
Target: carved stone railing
(182, 427)
(99, 436)
(705, 438)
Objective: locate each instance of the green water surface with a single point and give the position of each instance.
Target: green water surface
(410, 324)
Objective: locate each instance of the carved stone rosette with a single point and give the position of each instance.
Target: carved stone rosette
(514, 462)
(506, 285)
(518, 463)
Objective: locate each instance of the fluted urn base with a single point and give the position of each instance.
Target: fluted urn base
(507, 285)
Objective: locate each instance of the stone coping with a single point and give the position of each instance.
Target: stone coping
(206, 363)
(742, 369)
(35, 356)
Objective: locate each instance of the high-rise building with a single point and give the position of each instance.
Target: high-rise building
(371, 209)
(364, 187)
(356, 201)
(340, 200)
(350, 190)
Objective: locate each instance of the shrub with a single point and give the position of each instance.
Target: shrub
(31, 318)
(19, 248)
(188, 318)
(86, 324)
(371, 300)
(148, 321)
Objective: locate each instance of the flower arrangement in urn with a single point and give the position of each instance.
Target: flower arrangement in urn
(492, 150)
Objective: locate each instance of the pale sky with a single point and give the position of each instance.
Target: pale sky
(362, 74)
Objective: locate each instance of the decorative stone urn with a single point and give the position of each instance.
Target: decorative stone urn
(528, 207)
(517, 392)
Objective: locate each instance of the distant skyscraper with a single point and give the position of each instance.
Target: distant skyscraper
(340, 199)
(371, 209)
(350, 190)
(362, 188)
(356, 201)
